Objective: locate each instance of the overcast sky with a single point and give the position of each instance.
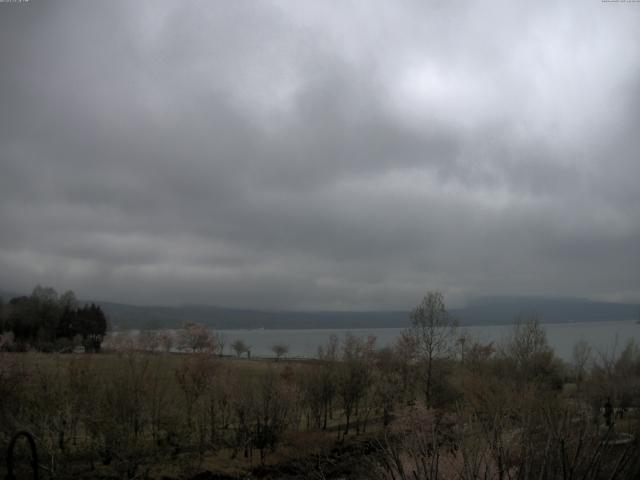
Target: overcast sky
(322, 154)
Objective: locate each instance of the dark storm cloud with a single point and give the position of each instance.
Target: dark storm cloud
(319, 155)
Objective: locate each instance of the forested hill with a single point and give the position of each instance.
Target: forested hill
(486, 311)
(489, 311)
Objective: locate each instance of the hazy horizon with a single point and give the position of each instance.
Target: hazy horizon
(320, 156)
(528, 302)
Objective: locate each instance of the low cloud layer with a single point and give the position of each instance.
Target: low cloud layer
(326, 155)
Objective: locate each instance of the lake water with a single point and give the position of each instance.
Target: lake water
(604, 337)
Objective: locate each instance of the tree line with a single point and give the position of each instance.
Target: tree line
(49, 322)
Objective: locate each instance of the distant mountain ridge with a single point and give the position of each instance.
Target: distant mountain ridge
(486, 311)
(505, 310)
(127, 316)
(483, 311)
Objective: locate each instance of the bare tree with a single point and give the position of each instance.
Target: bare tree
(220, 341)
(581, 355)
(239, 347)
(194, 376)
(195, 337)
(166, 341)
(329, 352)
(528, 352)
(270, 413)
(433, 331)
(280, 349)
(355, 375)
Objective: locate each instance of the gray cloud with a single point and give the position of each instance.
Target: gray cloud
(320, 154)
